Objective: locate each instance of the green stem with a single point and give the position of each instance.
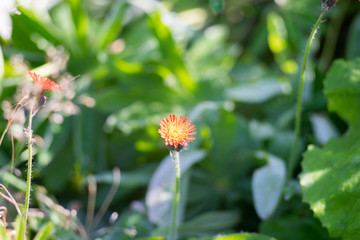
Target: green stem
(176, 156)
(28, 181)
(299, 99)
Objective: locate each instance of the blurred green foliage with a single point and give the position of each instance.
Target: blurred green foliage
(124, 65)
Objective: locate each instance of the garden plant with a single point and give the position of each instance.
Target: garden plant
(180, 120)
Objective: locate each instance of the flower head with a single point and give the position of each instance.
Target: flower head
(44, 83)
(176, 131)
(327, 4)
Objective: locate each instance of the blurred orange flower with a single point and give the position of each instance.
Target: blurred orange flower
(44, 83)
(176, 131)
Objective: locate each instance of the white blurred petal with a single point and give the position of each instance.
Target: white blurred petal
(6, 6)
(5, 25)
(38, 6)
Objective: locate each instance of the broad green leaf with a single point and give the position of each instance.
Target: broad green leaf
(342, 87)
(240, 236)
(217, 5)
(330, 178)
(294, 228)
(267, 185)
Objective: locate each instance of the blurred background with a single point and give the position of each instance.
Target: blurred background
(101, 169)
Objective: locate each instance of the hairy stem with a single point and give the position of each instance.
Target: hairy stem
(299, 99)
(28, 181)
(173, 232)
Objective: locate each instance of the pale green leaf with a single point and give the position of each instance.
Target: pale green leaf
(267, 185)
(257, 92)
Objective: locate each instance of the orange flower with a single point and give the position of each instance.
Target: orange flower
(44, 83)
(176, 131)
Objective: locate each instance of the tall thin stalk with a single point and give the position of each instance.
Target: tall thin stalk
(299, 98)
(176, 157)
(28, 180)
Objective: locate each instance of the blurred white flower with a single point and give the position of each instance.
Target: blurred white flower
(6, 8)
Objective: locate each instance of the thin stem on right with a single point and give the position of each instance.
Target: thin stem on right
(299, 100)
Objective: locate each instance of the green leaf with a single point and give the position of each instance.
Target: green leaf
(130, 179)
(27, 23)
(277, 34)
(20, 235)
(62, 19)
(217, 63)
(87, 144)
(330, 179)
(170, 52)
(294, 228)
(209, 222)
(257, 92)
(151, 238)
(241, 236)
(2, 68)
(112, 24)
(45, 232)
(352, 44)
(56, 136)
(162, 182)
(323, 128)
(8, 178)
(342, 88)
(217, 5)
(80, 18)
